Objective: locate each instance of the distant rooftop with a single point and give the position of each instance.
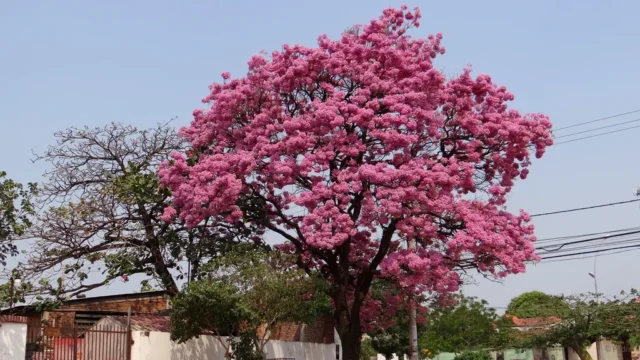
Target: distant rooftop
(94, 299)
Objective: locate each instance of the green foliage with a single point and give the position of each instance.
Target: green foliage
(535, 304)
(102, 215)
(245, 347)
(584, 319)
(469, 325)
(246, 288)
(474, 355)
(394, 338)
(366, 349)
(271, 284)
(208, 306)
(16, 209)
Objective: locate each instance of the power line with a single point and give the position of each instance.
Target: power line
(596, 120)
(592, 136)
(595, 246)
(584, 208)
(591, 252)
(583, 235)
(560, 246)
(589, 256)
(598, 128)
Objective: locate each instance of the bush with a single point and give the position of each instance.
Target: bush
(473, 355)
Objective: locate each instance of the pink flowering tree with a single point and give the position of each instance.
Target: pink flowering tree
(349, 150)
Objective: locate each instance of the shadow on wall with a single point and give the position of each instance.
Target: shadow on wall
(206, 348)
(13, 340)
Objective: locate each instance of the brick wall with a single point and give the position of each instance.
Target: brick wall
(145, 305)
(320, 331)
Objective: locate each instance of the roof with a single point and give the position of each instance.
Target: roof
(128, 296)
(141, 322)
(534, 322)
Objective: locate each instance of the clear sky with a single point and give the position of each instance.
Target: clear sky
(65, 63)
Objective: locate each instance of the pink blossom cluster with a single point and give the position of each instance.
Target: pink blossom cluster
(361, 138)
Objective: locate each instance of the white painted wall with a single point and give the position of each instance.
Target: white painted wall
(608, 351)
(13, 341)
(158, 346)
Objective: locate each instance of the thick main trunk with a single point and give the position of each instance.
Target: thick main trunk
(351, 344)
(348, 327)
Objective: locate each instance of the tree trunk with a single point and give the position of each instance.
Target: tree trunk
(351, 344)
(347, 324)
(582, 352)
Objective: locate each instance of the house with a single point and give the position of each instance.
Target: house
(85, 312)
(98, 327)
(608, 349)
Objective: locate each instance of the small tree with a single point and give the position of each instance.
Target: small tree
(16, 210)
(264, 289)
(474, 355)
(273, 288)
(584, 320)
(468, 326)
(210, 307)
(368, 352)
(101, 223)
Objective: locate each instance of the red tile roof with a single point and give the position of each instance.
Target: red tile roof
(534, 322)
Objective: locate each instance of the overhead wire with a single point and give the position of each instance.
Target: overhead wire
(584, 208)
(591, 252)
(568, 237)
(562, 245)
(592, 136)
(596, 129)
(597, 120)
(589, 256)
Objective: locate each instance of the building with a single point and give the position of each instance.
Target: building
(83, 313)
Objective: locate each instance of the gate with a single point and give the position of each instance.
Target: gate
(99, 342)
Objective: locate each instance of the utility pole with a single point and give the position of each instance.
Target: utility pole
(14, 283)
(413, 325)
(597, 294)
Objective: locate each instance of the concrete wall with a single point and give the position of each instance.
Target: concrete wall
(608, 351)
(13, 337)
(158, 346)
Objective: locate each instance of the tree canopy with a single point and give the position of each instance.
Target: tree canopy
(583, 319)
(348, 150)
(16, 211)
(469, 325)
(535, 304)
(102, 201)
(258, 289)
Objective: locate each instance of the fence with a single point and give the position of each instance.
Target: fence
(79, 343)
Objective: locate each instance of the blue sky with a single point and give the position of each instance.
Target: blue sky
(67, 63)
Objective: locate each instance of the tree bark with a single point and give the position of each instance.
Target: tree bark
(351, 344)
(348, 326)
(582, 353)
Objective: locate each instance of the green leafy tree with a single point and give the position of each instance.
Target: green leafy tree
(470, 325)
(16, 211)
(474, 355)
(390, 336)
(393, 339)
(535, 304)
(210, 307)
(584, 320)
(103, 215)
(265, 287)
(367, 352)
